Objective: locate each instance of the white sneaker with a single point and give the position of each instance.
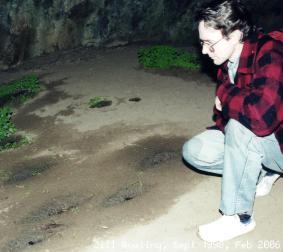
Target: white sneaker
(225, 228)
(264, 186)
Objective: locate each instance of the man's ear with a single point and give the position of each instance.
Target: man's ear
(236, 36)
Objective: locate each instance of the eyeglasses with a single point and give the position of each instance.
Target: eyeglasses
(210, 47)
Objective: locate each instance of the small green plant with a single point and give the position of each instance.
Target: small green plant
(15, 91)
(35, 172)
(8, 138)
(98, 102)
(7, 128)
(4, 175)
(75, 210)
(164, 57)
(19, 90)
(13, 142)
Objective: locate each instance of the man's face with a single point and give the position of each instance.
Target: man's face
(218, 47)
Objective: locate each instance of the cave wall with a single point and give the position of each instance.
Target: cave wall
(30, 28)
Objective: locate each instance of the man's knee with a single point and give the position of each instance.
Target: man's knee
(190, 150)
(197, 152)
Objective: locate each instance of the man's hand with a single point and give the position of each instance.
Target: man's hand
(218, 104)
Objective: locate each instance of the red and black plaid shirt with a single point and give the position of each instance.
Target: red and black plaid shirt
(256, 98)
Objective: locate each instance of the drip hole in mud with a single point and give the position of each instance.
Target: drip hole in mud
(127, 193)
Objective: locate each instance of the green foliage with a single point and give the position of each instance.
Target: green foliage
(4, 175)
(164, 57)
(14, 143)
(19, 90)
(98, 102)
(7, 128)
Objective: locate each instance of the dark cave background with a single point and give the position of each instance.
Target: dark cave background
(30, 28)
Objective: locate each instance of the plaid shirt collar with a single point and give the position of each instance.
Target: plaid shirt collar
(247, 57)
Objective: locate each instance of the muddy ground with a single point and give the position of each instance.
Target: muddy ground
(112, 178)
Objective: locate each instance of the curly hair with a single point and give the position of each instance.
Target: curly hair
(227, 16)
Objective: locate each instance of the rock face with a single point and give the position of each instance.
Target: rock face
(34, 27)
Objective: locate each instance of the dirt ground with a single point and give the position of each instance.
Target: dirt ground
(112, 178)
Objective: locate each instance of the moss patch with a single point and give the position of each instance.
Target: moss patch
(99, 102)
(165, 57)
(19, 91)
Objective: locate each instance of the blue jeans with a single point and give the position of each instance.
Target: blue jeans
(238, 156)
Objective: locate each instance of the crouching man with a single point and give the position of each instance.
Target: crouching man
(246, 144)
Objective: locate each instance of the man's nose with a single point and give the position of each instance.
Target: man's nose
(204, 49)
